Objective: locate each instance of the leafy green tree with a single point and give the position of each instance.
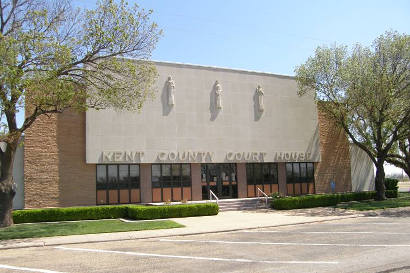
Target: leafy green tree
(366, 91)
(54, 57)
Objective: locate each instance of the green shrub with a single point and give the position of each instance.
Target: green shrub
(69, 214)
(392, 193)
(174, 211)
(319, 200)
(113, 212)
(391, 184)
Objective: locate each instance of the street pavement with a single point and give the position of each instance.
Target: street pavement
(224, 221)
(377, 242)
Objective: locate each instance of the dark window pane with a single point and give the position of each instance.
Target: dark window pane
(274, 173)
(203, 172)
(258, 174)
(303, 175)
(101, 177)
(112, 177)
(213, 172)
(176, 175)
(228, 172)
(186, 175)
(166, 175)
(267, 178)
(296, 173)
(123, 176)
(249, 174)
(155, 176)
(135, 176)
(310, 171)
(289, 173)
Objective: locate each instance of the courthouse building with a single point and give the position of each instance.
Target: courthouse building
(208, 128)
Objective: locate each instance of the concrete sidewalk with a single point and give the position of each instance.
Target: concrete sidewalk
(223, 222)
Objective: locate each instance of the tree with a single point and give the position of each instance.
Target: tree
(54, 57)
(400, 156)
(366, 91)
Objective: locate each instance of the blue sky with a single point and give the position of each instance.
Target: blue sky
(266, 35)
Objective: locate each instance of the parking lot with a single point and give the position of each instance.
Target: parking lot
(366, 244)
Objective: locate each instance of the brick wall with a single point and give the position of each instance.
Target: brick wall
(335, 157)
(77, 179)
(41, 157)
(54, 163)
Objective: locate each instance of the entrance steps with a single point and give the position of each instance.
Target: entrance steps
(242, 204)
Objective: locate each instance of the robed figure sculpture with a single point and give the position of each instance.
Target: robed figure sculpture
(171, 90)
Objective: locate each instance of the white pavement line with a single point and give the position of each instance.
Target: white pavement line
(270, 243)
(192, 257)
(324, 232)
(27, 269)
(367, 223)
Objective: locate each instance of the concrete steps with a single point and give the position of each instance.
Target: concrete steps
(241, 204)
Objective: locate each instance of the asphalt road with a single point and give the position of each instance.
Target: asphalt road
(367, 244)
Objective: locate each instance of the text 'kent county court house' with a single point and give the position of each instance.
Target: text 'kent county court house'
(225, 130)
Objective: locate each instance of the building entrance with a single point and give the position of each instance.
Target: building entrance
(220, 179)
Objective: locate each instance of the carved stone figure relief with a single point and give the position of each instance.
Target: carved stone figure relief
(171, 91)
(218, 95)
(260, 94)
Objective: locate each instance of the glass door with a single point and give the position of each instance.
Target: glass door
(220, 179)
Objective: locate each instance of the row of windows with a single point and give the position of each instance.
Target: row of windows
(262, 173)
(118, 176)
(299, 173)
(171, 175)
(127, 176)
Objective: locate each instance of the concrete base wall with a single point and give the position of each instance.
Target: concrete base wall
(196, 181)
(241, 177)
(145, 183)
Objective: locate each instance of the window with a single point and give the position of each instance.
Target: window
(263, 176)
(300, 178)
(118, 184)
(170, 182)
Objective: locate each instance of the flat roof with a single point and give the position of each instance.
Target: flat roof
(216, 68)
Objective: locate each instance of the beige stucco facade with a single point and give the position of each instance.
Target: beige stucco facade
(194, 130)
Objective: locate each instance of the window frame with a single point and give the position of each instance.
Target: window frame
(106, 185)
(250, 175)
(300, 180)
(172, 182)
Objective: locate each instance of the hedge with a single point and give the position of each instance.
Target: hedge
(319, 200)
(113, 212)
(392, 193)
(175, 211)
(69, 214)
(391, 184)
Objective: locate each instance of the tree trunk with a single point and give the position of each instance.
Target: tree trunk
(7, 188)
(379, 183)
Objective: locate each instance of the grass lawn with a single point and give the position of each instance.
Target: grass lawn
(20, 231)
(403, 200)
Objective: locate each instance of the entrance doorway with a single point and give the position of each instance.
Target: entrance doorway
(220, 179)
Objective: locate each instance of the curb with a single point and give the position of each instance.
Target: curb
(44, 244)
